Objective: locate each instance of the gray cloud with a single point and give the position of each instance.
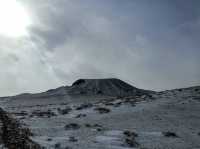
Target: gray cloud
(151, 44)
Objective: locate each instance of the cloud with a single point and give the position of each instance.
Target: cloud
(151, 45)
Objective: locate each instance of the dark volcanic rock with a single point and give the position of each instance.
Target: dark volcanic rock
(13, 135)
(109, 87)
(130, 134)
(84, 106)
(130, 138)
(73, 139)
(78, 82)
(80, 115)
(106, 87)
(43, 113)
(170, 134)
(102, 110)
(72, 126)
(64, 111)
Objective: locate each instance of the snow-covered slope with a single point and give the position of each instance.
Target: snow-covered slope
(90, 87)
(60, 119)
(82, 90)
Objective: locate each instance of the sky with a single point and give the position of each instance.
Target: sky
(149, 44)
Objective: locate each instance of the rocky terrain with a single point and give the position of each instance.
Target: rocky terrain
(105, 114)
(12, 135)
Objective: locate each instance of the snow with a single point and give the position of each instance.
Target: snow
(175, 111)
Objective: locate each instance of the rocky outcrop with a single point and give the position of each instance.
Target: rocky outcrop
(105, 87)
(13, 135)
(109, 87)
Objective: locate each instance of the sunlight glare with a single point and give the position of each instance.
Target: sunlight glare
(14, 19)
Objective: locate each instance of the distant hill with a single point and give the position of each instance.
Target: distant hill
(109, 87)
(101, 113)
(90, 87)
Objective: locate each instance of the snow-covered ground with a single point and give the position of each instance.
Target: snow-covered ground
(168, 120)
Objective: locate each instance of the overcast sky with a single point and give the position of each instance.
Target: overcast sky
(152, 44)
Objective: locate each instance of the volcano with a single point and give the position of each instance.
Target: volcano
(106, 87)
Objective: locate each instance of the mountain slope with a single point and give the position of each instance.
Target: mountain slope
(88, 87)
(109, 87)
(168, 119)
(59, 119)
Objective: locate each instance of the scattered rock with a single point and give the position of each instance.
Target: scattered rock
(43, 113)
(102, 110)
(73, 139)
(130, 134)
(72, 126)
(150, 96)
(117, 104)
(97, 127)
(49, 139)
(109, 104)
(64, 111)
(99, 92)
(22, 113)
(130, 138)
(131, 142)
(170, 134)
(13, 135)
(83, 92)
(21, 118)
(57, 146)
(93, 126)
(84, 106)
(157, 117)
(132, 100)
(67, 147)
(64, 103)
(80, 115)
(88, 125)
